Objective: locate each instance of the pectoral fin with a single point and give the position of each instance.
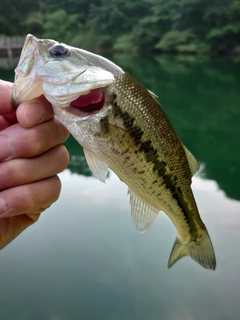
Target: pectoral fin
(143, 214)
(98, 168)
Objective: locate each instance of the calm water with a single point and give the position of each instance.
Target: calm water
(84, 259)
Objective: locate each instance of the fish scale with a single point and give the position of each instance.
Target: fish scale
(146, 139)
(127, 131)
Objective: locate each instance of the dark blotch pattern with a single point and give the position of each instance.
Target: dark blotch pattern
(150, 154)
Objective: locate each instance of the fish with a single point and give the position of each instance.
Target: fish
(122, 127)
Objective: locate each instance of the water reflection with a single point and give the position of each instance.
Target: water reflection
(78, 162)
(201, 97)
(8, 63)
(85, 260)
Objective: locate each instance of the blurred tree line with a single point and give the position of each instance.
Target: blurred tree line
(190, 26)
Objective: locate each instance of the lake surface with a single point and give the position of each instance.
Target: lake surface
(84, 259)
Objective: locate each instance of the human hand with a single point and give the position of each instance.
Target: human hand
(31, 156)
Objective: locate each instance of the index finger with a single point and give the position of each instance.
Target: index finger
(6, 106)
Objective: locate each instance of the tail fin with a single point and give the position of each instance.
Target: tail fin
(201, 251)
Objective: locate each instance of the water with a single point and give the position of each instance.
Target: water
(84, 259)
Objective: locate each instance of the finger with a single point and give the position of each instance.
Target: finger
(30, 198)
(17, 141)
(11, 227)
(7, 112)
(27, 170)
(4, 123)
(34, 112)
(7, 120)
(6, 106)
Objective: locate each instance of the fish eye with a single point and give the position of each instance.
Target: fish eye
(58, 51)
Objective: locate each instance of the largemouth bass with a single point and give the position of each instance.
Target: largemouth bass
(121, 126)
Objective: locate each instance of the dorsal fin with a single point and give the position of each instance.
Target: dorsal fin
(143, 214)
(153, 94)
(193, 163)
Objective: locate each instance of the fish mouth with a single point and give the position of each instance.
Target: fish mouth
(88, 104)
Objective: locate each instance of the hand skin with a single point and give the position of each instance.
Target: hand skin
(31, 156)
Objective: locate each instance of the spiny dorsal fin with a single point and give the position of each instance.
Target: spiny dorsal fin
(153, 94)
(143, 214)
(98, 168)
(193, 163)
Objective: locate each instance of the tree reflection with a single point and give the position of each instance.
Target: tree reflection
(201, 98)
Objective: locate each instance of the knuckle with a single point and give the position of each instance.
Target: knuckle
(42, 194)
(35, 142)
(64, 156)
(12, 172)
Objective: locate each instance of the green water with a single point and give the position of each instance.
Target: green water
(84, 259)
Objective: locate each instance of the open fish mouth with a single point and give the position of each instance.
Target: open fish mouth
(88, 104)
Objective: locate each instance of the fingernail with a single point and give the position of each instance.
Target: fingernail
(34, 114)
(5, 150)
(3, 207)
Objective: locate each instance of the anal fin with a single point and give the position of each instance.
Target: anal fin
(143, 214)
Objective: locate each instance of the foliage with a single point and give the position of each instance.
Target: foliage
(192, 26)
(61, 26)
(125, 43)
(172, 38)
